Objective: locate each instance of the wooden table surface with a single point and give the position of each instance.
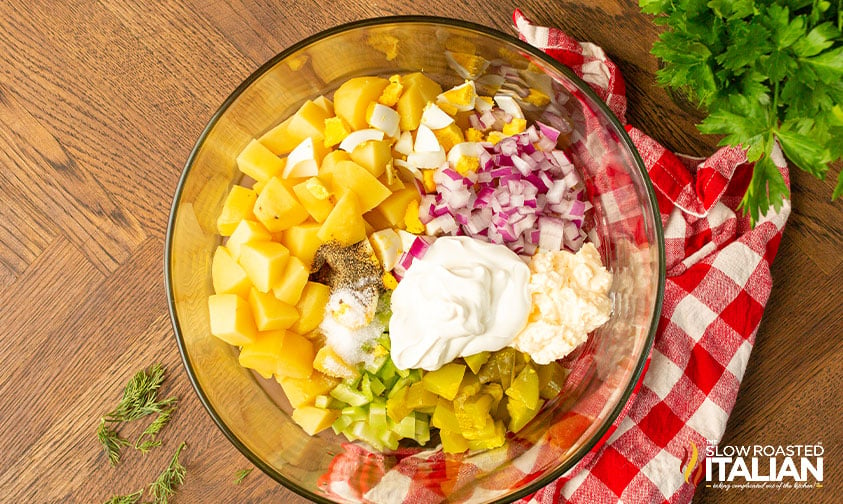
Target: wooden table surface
(100, 104)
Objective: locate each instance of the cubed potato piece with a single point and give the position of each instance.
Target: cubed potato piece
(296, 359)
(394, 207)
(418, 91)
(314, 420)
(277, 207)
(428, 87)
(258, 162)
(303, 241)
(303, 391)
(270, 312)
(227, 276)
(330, 363)
(281, 140)
(329, 163)
(376, 221)
(309, 121)
(245, 232)
(373, 155)
(264, 353)
(315, 198)
(311, 307)
(292, 283)
(264, 262)
(326, 104)
(345, 223)
(231, 319)
(350, 176)
(353, 97)
(237, 206)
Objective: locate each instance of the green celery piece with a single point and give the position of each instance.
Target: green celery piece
(377, 417)
(376, 385)
(406, 428)
(348, 395)
(422, 435)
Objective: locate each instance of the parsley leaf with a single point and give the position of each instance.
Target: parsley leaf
(767, 72)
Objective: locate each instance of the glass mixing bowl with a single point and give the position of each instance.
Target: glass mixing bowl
(253, 413)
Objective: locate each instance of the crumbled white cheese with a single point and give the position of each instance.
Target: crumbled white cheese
(570, 296)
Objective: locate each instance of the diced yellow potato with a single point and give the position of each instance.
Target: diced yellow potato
(418, 91)
(315, 198)
(264, 353)
(292, 281)
(376, 221)
(227, 276)
(350, 176)
(345, 223)
(302, 240)
(311, 307)
(445, 381)
(410, 107)
(394, 207)
(329, 163)
(314, 420)
(303, 391)
(264, 262)
(373, 155)
(245, 232)
(325, 104)
(231, 319)
(353, 97)
(428, 87)
(281, 139)
(296, 359)
(258, 162)
(309, 121)
(329, 363)
(277, 208)
(270, 312)
(390, 179)
(237, 206)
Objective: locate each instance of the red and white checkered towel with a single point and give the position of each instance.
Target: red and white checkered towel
(718, 281)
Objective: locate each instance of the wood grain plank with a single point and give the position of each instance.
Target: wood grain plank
(64, 191)
(36, 309)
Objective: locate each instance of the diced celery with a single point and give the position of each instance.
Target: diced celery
(341, 424)
(406, 428)
(403, 373)
(376, 386)
(377, 417)
(355, 413)
(348, 395)
(422, 435)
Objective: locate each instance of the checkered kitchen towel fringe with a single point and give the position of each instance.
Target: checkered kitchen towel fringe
(718, 270)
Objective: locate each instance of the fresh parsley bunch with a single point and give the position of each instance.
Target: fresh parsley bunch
(764, 70)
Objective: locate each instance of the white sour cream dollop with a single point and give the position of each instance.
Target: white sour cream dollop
(463, 297)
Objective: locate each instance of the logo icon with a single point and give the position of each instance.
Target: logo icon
(693, 469)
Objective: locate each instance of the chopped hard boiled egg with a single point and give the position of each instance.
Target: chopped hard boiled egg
(385, 119)
(355, 138)
(302, 161)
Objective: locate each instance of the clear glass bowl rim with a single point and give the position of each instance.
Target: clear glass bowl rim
(535, 485)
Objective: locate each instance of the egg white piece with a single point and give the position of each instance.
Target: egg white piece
(435, 118)
(355, 138)
(301, 162)
(508, 104)
(385, 119)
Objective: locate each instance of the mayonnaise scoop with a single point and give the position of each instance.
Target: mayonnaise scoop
(462, 297)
